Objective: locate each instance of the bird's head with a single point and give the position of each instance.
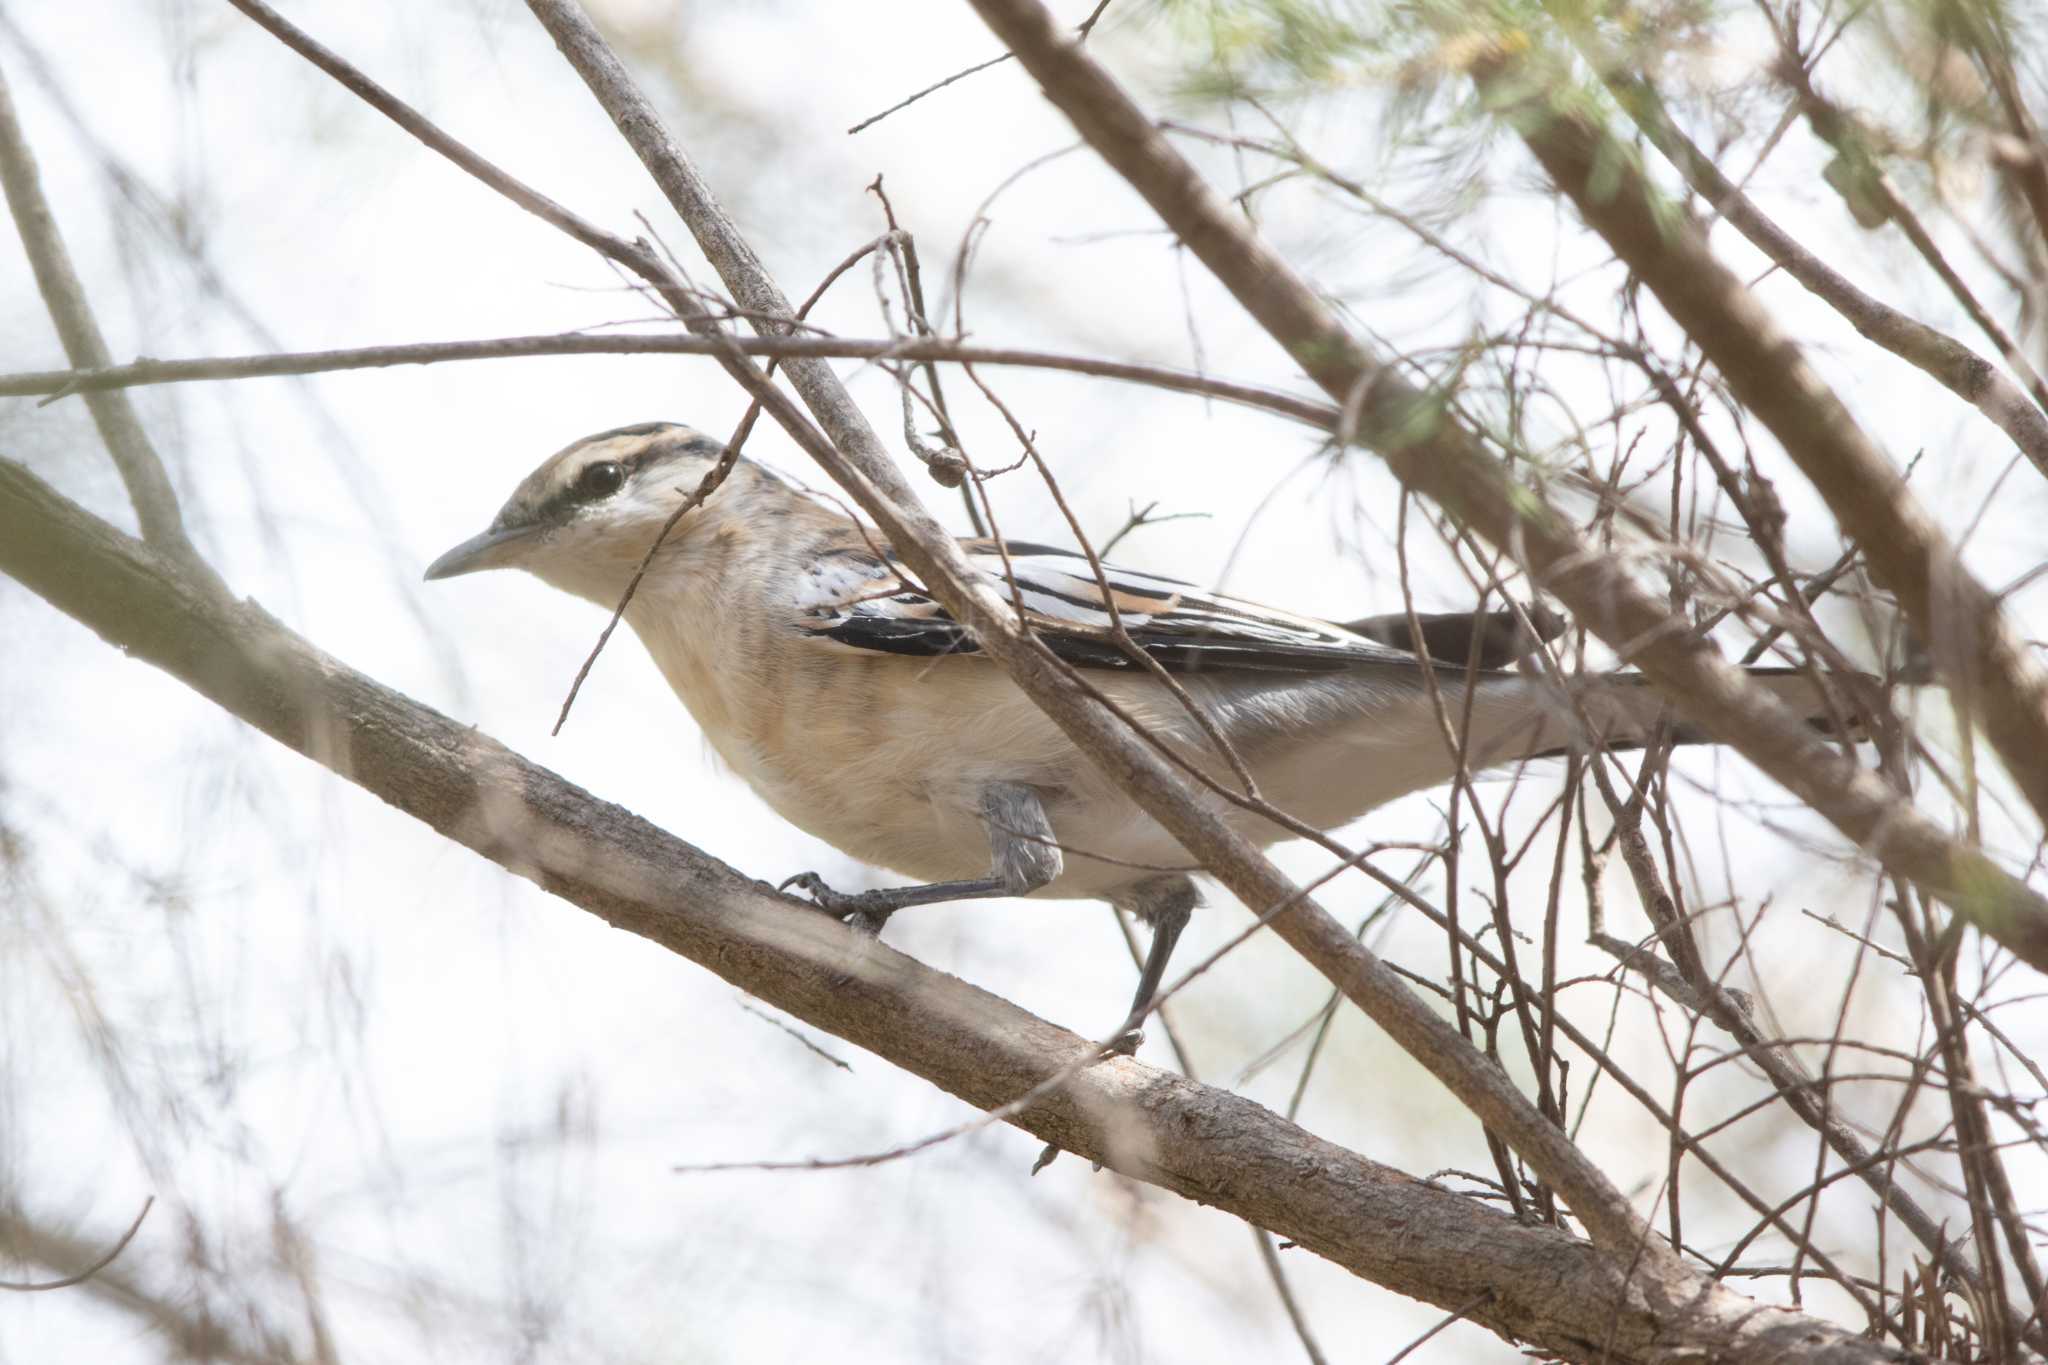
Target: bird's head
(583, 520)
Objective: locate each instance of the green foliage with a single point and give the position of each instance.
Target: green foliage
(1272, 45)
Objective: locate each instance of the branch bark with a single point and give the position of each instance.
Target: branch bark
(1204, 1144)
(141, 469)
(1434, 456)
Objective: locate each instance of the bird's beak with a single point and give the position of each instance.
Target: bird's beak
(494, 549)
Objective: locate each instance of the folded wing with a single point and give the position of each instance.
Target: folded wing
(858, 599)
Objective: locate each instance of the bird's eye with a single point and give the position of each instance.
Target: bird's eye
(600, 480)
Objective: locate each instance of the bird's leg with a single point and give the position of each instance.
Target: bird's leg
(1022, 858)
(1164, 903)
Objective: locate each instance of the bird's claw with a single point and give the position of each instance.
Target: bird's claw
(863, 910)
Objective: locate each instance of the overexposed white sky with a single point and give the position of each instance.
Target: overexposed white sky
(470, 1096)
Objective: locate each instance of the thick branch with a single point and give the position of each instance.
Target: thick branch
(1205, 1144)
(149, 487)
(1431, 454)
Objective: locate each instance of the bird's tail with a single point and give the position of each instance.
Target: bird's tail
(1329, 748)
(1623, 711)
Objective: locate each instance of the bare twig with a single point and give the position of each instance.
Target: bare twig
(1083, 29)
(142, 469)
(1459, 1315)
(706, 486)
(60, 383)
(43, 1286)
(1141, 517)
(787, 1028)
(932, 89)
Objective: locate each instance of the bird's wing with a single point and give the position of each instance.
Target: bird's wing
(855, 598)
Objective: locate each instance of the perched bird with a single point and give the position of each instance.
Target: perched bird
(864, 714)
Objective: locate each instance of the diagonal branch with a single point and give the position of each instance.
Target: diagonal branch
(1434, 456)
(142, 470)
(1205, 1144)
(1866, 180)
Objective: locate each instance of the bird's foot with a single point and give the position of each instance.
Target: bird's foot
(1124, 1043)
(866, 911)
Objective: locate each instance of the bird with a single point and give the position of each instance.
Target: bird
(864, 713)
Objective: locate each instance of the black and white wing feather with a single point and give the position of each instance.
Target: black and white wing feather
(855, 599)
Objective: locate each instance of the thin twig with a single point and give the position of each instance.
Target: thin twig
(63, 383)
(43, 1286)
(1085, 26)
(1459, 1315)
(787, 1028)
(706, 486)
(141, 468)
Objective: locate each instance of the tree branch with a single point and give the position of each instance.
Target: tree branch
(78, 1277)
(62, 383)
(141, 469)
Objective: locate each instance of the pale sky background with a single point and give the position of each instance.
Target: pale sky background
(231, 980)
